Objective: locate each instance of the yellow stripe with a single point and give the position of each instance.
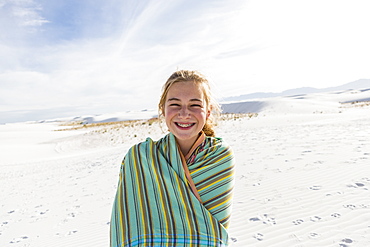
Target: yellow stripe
(119, 195)
(220, 203)
(198, 170)
(139, 194)
(184, 202)
(223, 178)
(160, 192)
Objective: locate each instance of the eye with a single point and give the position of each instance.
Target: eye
(174, 104)
(196, 105)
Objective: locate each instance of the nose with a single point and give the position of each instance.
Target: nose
(184, 112)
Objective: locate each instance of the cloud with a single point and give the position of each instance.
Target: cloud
(19, 19)
(74, 20)
(113, 55)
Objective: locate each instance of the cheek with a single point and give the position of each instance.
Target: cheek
(168, 113)
(201, 114)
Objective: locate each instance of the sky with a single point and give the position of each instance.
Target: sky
(71, 58)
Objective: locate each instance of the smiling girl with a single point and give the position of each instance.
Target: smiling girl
(177, 191)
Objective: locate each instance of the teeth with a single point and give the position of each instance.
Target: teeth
(184, 125)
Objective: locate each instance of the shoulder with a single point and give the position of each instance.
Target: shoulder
(148, 144)
(215, 149)
(218, 144)
(137, 151)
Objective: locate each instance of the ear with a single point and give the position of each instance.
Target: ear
(209, 112)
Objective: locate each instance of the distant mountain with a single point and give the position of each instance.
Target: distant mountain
(359, 84)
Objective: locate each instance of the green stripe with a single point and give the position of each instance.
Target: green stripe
(154, 205)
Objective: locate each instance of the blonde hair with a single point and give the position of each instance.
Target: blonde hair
(193, 76)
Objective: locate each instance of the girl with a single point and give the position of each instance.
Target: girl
(177, 191)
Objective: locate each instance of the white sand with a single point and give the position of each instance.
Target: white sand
(302, 176)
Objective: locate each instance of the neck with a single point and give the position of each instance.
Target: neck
(188, 147)
(185, 146)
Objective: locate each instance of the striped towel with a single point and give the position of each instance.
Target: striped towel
(155, 205)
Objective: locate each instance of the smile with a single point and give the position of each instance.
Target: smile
(185, 125)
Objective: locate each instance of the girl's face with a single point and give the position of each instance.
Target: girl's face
(185, 112)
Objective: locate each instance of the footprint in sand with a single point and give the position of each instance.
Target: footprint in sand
(336, 215)
(4, 223)
(335, 193)
(298, 222)
(258, 236)
(345, 242)
(44, 212)
(315, 218)
(357, 185)
(72, 232)
(265, 219)
(314, 235)
(315, 187)
(234, 240)
(39, 212)
(350, 206)
(17, 240)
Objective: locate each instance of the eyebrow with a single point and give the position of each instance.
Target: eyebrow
(176, 99)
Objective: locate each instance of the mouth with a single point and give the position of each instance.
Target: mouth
(184, 125)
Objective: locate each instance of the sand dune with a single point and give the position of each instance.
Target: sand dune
(302, 176)
(306, 103)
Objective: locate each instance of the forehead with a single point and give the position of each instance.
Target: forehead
(186, 90)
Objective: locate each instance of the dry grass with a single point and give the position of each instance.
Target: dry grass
(112, 125)
(236, 116)
(355, 104)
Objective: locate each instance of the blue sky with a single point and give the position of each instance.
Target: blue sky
(70, 58)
